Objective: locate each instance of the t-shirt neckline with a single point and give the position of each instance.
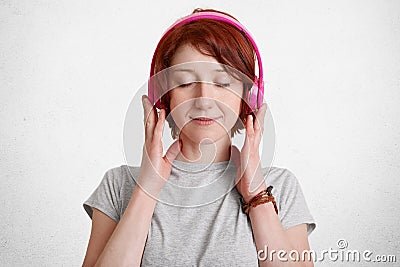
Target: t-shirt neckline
(198, 167)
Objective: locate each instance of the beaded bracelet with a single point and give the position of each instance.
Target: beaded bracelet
(264, 196)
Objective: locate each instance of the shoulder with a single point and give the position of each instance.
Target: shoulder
(123, 172)
(286, 187)
(279, 177)
(292, 205)
(121, 175)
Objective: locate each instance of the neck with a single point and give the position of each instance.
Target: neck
(206, 151)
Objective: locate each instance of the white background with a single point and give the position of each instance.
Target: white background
(69, 69)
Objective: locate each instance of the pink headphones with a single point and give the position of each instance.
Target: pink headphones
(257, 91)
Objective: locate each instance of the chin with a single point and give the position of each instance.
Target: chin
(205, 136)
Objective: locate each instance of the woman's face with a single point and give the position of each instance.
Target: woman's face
(205, 101)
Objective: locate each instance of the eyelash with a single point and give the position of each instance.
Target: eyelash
(223, 84)
(217, 84)
(185, 85)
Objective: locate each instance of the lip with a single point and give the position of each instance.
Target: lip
(204, 120)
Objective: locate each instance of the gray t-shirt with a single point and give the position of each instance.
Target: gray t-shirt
(198, 220)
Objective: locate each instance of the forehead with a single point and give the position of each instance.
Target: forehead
(202, 68)
(187, 53)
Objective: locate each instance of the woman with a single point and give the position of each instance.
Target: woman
(130, 227)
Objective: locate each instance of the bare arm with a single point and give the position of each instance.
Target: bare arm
(102, 228)
(121, 244)
(126, 244)
(268, 231)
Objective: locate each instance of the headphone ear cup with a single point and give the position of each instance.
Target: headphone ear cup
(253, 96)
(251, 99)
(260, 93)
(156, 87)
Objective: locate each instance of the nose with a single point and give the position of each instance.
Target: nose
(204, 96)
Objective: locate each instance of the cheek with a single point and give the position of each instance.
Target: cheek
(233, 103)
(178, 109)
(231, 110)
(177, 97)
(233, 100)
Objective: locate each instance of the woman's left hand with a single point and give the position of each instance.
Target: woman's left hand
(249, 179)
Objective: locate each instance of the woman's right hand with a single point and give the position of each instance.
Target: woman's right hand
(155, 167)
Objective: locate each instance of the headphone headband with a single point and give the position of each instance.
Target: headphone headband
(218, 17)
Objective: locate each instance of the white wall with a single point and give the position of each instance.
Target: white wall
(68, 70)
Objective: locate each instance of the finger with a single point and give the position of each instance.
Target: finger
(249, 126)
(245, 154)
(248, 142)
(173, 151)
(259, 123)
(158, 129)
(149, 117)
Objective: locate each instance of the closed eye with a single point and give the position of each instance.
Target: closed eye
(223, 84)
(186, 84)
(183, 85)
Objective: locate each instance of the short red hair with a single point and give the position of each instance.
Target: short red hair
(227, 44)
